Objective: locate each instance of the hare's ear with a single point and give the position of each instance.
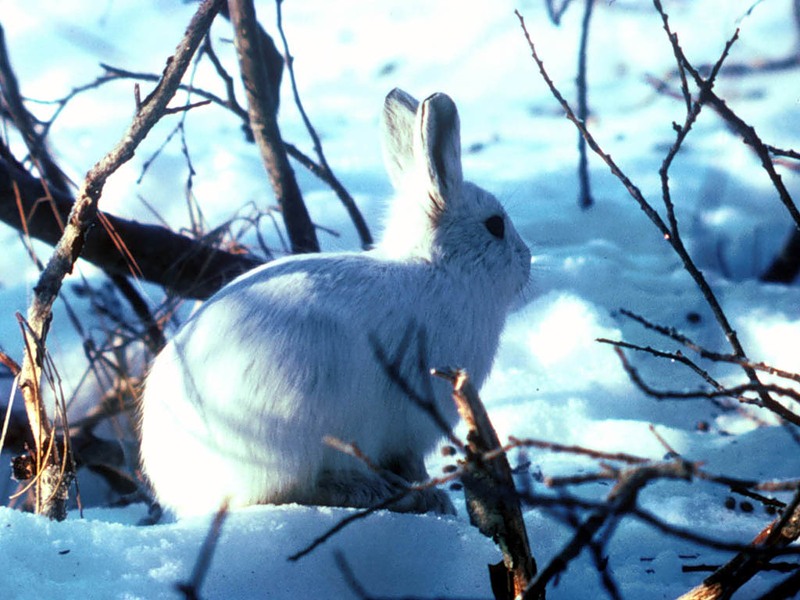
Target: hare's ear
(399, 111)
(437, 146)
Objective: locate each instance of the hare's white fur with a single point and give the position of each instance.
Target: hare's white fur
(237, 405)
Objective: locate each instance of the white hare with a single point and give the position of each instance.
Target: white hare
(237, 405)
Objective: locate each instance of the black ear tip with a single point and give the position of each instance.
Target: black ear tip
(443, 105)
(398, 96)
(444, 110)
(394, 94)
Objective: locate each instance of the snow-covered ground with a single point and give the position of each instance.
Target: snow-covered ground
(552, 380)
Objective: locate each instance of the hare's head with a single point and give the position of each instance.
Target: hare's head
(437, 216)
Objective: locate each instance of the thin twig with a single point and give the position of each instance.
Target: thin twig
(633, 190)
(608, 472)
(232, 103)
(349, 577)
(682, 339)
(785, 153)
(621, 500)
(748, 562)
(555, 13)
(84, 213)
(736, 392)
(746, 131)
(585, 198)
(323, 172)
(706, 87)
(392, 366)
(191, 589)
(364, 513)
(678, 357)
(344, 196)
(25, 124)
(262, 103)
(576, 450)
(115, 73)
(667, 232)
(193, 268)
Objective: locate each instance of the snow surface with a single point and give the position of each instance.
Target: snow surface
(552, 380)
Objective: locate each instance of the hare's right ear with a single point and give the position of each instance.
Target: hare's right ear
(399, 113)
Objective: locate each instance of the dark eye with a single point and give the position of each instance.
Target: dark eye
(496, 226)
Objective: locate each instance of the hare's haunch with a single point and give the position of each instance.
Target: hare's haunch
(237, 404)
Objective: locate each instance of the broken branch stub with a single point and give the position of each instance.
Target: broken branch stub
(492, 500)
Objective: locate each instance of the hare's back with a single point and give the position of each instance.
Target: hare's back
(308, 301)
(299, 327)
(352, 285)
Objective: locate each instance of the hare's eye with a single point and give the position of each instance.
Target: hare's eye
(496, 226)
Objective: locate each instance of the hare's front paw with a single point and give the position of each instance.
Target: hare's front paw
(424, 501)
(365, 490)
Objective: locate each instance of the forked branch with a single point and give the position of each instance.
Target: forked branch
(779, 534)
(81, 218)
(669, 229)
(262, 103)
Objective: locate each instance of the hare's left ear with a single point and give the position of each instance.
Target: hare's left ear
(399, 112)
(437, 147)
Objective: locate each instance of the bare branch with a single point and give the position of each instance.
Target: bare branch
(737, 392)
(692, 112)
(262, 108)
(746, 131)
(364, 513)
(732, 576)
(116, 73)
(576, 450)
(585, 198)
(621, 501)
(608, 472)
(11, 100)
(793, 154)
(565, 501)
(191, 589)
(320, 169)
(392, 367)
(326, 173)
(675, 335)
(634, 191)
(82, 216)
(349, 577)
(670, 233)
(187, 267)
(492, 500)
(678, 357)
(556, 12)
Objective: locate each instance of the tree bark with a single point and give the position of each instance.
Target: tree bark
(262, 106)
(187, 267)
(492, 501)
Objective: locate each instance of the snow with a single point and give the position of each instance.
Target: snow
(106, 556)
(551, 380)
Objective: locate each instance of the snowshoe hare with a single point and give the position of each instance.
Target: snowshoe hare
(237, 405)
